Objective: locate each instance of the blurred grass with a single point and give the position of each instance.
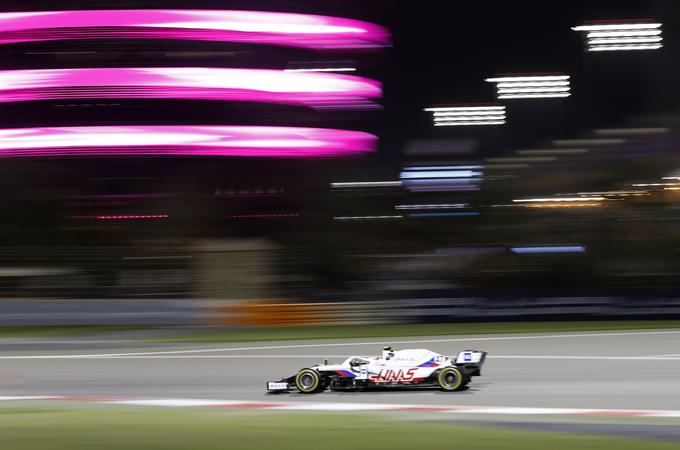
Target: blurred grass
(117, 428)
(369, 331)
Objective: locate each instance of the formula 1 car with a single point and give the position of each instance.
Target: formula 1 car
(401, 368)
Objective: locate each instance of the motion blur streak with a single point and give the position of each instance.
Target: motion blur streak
(274, 86)
(566, 249)
(622, 36)
(254, 27)
(468, 115)
(561, 199)
(125, 217)
(183, 140)
(543, 86)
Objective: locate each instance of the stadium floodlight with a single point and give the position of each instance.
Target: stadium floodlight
(196, 83)
(532, 86)
(182, 140)
(448, 116)
(249, 27)
(621, 35)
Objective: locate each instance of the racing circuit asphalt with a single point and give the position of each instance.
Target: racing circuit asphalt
(614, 370)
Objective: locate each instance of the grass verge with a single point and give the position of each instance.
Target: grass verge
(71, 330)
(112, 428)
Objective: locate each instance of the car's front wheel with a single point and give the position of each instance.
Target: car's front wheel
(451, 379)
(308, 381)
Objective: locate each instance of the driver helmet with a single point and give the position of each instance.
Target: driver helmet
(388, 353)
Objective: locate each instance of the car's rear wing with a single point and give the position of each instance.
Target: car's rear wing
(472, 361)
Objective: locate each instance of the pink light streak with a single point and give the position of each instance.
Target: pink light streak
(318, 90)
(199, 140)
(254, 27)
(125, 217)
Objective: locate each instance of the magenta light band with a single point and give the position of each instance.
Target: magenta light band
(125, 217)
(253, 141)
(254, 27)
(318, 90)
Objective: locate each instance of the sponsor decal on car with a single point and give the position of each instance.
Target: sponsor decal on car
(389, 375)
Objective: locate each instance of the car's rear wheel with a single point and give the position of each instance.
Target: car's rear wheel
(308, 381)
(451, 379)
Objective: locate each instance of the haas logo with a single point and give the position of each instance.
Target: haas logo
(385, 376)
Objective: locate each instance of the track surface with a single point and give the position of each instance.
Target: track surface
(637, 370)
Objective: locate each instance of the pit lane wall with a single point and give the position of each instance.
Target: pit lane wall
(267, 313)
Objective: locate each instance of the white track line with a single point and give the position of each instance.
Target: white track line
(332, 406)
(335, 344)
(605, 358)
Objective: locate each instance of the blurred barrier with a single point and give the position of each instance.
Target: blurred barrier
(286, 314)
(441, 310)
(259, 313)
(100, 312)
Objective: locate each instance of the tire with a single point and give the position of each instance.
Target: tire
(308, 381)
(451, 379)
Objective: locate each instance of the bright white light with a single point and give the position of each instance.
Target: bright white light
(435, 206)
(464, 108)
(442, 168)
(529, 78)
(631, 40)
(451, 124)
(327, 69)
(561, 199)
(604, 48)
(468, 118)
(534, 250)
(533, 84)
(366, 217)
(468, 113)
(605, 34)
(617, 37)
(566, 94)
(368, 184)
(440, 174)
(532, 90)
(628, 26)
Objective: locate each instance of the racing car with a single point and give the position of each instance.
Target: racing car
(417, 367)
